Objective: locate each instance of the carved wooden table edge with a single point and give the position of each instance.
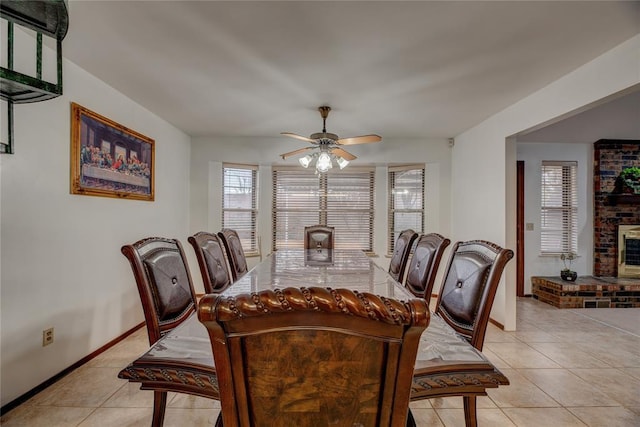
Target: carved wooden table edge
(198, 380)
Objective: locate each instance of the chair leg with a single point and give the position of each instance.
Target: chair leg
(219, 420)
(470, 416)
(159, 405)
(411, 422)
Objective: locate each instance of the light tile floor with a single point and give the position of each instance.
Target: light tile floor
(565, 369)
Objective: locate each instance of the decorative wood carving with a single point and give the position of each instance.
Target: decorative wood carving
(202, 381)
(455, 384)
(199, 380)
(329, 300)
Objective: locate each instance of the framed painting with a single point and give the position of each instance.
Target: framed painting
(108, 159)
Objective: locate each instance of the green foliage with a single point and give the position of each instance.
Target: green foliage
(628, 181)
(632, 173)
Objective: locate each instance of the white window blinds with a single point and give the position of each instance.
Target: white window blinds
(343, 200)
(559, 210)
(406, 201)
(239, 203)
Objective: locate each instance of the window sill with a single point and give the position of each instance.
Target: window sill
(555, 255)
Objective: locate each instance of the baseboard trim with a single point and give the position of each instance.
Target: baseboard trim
(496, 323)
(37, 389)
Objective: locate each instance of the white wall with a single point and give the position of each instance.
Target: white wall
(482, 205)
(207, 155)
(60, 253)
(533, 154)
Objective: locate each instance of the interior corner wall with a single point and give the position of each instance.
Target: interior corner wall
(480, 205)
(60, 253)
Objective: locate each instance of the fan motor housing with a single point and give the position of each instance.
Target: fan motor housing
(324, 137)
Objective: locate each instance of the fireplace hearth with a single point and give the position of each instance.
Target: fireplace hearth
(629, 251)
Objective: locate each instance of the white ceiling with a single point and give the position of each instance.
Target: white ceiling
(399, 69)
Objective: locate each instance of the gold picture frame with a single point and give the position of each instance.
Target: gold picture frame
(108, 159)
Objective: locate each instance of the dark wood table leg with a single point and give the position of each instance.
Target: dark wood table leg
(470, 418)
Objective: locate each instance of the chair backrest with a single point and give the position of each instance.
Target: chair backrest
(319, 237)
(469, 287)
(164, 283)
(313, 356)
(423, 267)
(212, 261)
(234, 251)
(400, 255)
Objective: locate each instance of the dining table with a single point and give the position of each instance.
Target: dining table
(446, 363)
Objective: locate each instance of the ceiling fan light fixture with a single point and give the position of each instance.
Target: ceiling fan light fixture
(328, 146)
(305, 161)
(342, 162)
(323, 164)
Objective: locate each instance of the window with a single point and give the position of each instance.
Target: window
(559, 210)
(406, 201)
(343, 200)
(239, 203)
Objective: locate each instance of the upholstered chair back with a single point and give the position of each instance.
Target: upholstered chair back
(319, 237)
(425, 260)
(211, 260)
(401, 251)
(469, 288)
(234, 251)
(164, 283)
(359, 372)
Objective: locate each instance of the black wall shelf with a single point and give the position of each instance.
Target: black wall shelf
(623, 199)
(45, 17)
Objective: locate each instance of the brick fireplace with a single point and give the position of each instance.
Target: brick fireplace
(611, 211)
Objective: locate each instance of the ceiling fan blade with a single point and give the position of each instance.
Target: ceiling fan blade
(295, 135)
(363, 139)
(295, 152)
(342, 153)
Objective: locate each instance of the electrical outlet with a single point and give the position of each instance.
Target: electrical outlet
(529, 226)
(47, 337)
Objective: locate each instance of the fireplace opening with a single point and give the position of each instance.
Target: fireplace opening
(629, 251)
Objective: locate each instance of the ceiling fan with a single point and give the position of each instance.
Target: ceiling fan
(328, 146)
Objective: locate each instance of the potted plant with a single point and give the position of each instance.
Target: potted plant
(566, 273)
(628, 182)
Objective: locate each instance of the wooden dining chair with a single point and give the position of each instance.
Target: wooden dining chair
(467, 293)
(166, 291)
(211, 260)
(359, 372)
(423, 267)
(401, 250)
(235, 253)
(319, 237)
